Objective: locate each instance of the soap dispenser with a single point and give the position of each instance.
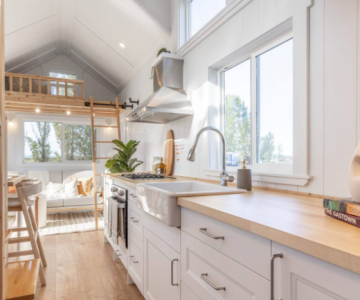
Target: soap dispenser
(244, 180)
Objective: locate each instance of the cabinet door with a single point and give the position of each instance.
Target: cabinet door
(161, 269)
(299, 276)
(136, 262)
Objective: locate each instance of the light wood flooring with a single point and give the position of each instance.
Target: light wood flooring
(80, 267)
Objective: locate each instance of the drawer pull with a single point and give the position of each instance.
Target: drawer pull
(134, 261)
(272, 279)
(204, 277)
(204, 231)
(172, 273)
(135, 221)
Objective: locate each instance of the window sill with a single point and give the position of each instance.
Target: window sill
(287, 179)
(228, 12)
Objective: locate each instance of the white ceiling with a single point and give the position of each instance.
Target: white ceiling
(89, 32)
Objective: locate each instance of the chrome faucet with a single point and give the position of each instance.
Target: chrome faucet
(224, 177)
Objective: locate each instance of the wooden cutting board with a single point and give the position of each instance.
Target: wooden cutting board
(169, 153)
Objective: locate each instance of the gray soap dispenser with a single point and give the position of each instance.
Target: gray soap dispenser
(244, 177)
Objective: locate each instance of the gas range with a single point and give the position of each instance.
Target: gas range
(141, 176)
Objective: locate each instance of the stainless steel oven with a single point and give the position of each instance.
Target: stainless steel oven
(120, 195)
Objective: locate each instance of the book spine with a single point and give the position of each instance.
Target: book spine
(353, 210)
(355, 221)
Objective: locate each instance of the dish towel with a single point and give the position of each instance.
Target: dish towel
(108, 218)
(114, 221)
(42, 176)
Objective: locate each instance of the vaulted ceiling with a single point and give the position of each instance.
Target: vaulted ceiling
(87, 31)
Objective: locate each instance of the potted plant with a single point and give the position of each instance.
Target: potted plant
(161, 50)
(122, 161)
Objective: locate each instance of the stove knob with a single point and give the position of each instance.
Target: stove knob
(121, 193)
(114, 189)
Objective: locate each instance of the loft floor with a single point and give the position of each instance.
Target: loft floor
(80, 267)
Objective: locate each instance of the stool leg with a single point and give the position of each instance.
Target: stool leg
(32, 239)
(38, 240)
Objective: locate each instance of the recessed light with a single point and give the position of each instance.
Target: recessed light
(68, 112)
(121, 45)
(37, 110)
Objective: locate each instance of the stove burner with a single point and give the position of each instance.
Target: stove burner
(143, 176)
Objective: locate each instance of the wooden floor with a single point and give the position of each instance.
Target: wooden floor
(80, 266)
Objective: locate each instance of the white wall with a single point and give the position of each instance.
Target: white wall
(334, 81)
(92, 87)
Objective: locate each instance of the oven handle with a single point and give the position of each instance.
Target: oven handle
(121, 205)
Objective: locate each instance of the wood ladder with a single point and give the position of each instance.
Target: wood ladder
(94, 142)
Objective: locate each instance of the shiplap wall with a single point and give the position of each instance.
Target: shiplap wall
(334, 100)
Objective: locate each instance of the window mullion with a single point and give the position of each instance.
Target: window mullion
(62, 143)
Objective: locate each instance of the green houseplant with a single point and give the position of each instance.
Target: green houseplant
(122, 161)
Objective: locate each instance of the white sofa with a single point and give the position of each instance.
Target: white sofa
(63, 203)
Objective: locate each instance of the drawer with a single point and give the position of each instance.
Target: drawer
(135, 221)
(212, 275)
(248, 249)
(121, 254)
(136, 263)
(186, 293)
(132, 195)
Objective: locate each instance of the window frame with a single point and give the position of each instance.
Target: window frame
(254, 165)
(60, 83)
(63, 159)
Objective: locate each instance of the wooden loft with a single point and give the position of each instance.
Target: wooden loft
(26, 93)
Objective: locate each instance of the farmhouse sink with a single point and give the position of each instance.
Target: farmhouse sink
(159, 199)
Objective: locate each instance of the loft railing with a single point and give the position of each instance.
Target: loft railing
(40, 86)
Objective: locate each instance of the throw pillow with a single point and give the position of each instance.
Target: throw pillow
(54, 190)
(71, 189)
(84, 185)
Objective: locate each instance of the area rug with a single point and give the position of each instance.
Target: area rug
(70, 222)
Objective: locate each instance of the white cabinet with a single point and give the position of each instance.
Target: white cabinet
(136, 262)
(212, 275)
(186, 293)
(303, 277)
(135, 221)
(161, 269)
(250, 250)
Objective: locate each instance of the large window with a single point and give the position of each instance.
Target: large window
(56, 142)
(201, 12)
(258, 108)
(70, 86)
(237, 115)
(274, 98)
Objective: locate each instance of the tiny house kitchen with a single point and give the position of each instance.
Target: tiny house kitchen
(180, 150)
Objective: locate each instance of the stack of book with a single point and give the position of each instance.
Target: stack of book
(344, 210)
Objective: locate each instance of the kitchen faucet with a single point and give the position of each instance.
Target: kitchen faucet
(224, 177)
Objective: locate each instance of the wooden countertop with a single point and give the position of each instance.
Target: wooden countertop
(295, 221)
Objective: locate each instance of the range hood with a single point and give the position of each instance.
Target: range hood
(168, 102)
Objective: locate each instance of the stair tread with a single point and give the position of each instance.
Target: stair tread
(21, 279)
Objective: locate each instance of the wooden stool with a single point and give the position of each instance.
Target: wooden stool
(24, 204)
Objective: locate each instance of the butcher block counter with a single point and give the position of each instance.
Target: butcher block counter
(296, 221)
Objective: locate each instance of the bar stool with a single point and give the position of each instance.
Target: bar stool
(24, 204)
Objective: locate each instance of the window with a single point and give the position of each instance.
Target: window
(70, 86)
(257, 107)
(274, 102)
(201, 12)
(41, 142)
(237, 115)
(56, 142)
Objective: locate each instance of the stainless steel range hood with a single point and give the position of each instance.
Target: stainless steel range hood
(168, 102)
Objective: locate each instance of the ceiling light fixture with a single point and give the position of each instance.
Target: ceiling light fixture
(122, 45)
(68, 112)
(37, 110)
